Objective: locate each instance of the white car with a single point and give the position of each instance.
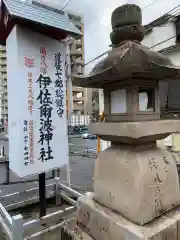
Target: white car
(85, 135)
(89, 136)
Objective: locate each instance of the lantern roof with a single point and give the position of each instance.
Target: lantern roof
(129, 61)
(36, 17)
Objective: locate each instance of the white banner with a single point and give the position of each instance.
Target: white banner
(38, 139)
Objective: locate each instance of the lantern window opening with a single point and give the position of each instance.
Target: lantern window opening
(146, 97)
(118, 101)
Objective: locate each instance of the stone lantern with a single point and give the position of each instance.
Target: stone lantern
(135, 181)
(132, 101)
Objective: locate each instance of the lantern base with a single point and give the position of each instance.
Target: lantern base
(138, 181)
(95, 221)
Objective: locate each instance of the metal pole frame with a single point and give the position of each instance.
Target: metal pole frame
(14, 227)
(17, 227)
(42, 194)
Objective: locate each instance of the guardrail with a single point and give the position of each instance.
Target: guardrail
(14, 227)
(78, 150)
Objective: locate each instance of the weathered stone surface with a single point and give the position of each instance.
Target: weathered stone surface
(127, 14)
(75, 231)
(135, 132)
(138, 182)
(104, 224)
(126, 23)
(124, 33)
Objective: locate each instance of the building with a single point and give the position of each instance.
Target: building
(82, 98)
(163, 35)
(97, 94)
(3, 85)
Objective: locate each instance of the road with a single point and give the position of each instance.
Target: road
(81, 171)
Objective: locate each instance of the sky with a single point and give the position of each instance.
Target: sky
(97, 19)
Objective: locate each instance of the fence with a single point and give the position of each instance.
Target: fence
(79, 120)
(79, 150)
(14, 227)
(7, 177)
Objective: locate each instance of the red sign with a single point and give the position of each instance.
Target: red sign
(43, 66)
(30, 93)
(29, 62)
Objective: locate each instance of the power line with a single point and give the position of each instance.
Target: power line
(166, 40)
(172, 12)
(150, 4)
(101, 55)
(66, 5)
(176, 13)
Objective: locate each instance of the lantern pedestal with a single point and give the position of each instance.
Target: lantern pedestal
(135, 177)
(103, 224)
(138, 181)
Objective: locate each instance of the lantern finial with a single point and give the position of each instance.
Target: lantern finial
(126, 23)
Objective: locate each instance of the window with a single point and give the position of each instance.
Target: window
(169, 96)
(79, 95)
(1, 151)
